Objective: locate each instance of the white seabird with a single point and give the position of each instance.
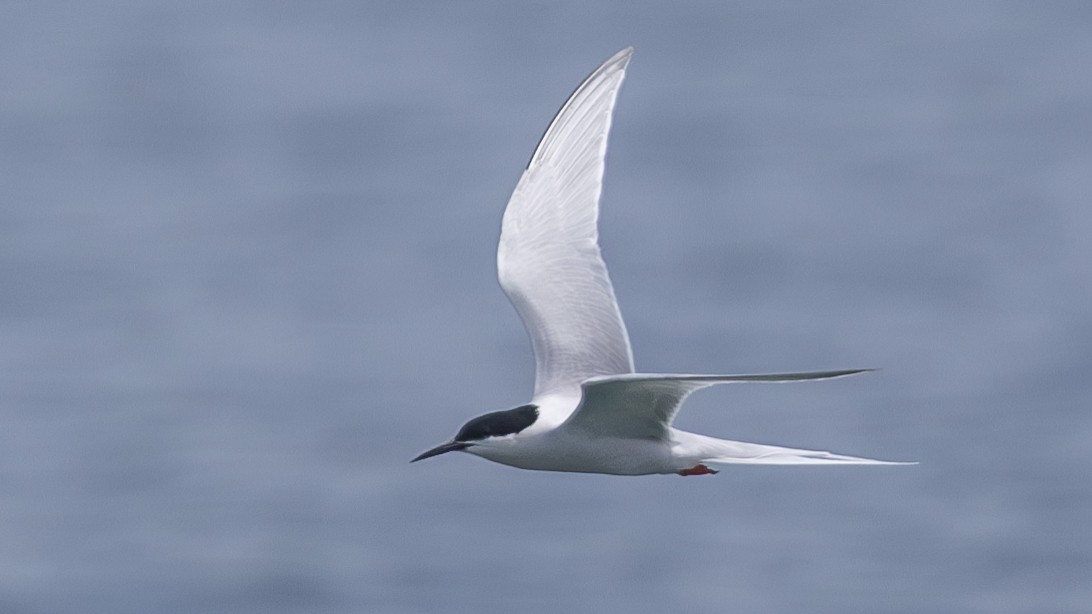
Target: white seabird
(590, 411)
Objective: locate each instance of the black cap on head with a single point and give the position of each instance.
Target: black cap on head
(493, 424)
(498, 423)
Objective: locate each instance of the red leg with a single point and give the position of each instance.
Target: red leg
(698, 469)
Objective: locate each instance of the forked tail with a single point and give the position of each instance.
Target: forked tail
(706, 449)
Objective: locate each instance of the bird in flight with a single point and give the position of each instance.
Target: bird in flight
(590, 411)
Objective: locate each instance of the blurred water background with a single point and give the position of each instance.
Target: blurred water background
(247, 273)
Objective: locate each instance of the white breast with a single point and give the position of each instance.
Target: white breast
(561, 451)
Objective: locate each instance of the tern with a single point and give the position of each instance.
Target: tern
(590, 412)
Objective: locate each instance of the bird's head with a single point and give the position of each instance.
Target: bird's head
(486, 429)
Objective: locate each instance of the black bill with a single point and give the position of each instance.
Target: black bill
(451, 446)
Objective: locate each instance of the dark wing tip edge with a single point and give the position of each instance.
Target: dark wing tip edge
(618, 61)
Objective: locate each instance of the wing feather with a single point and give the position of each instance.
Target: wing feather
(642, 405)
(548, 260)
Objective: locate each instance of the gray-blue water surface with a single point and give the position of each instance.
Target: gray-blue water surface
(247, 273)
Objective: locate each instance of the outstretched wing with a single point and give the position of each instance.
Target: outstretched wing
(643, 405)
(548, 260)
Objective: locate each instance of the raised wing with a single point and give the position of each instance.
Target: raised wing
(548, 260)
(643, 405)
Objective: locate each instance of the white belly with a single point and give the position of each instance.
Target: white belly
(554, 451)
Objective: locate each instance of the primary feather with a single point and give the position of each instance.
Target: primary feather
(643, 405)
(548, 260)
